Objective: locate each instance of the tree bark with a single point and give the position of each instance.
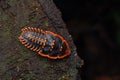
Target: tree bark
(19, 63)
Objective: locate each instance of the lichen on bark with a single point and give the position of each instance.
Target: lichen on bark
(16, 61)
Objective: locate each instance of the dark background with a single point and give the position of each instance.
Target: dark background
(95, 28)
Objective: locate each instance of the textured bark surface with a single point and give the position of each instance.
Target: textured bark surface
(19, 63)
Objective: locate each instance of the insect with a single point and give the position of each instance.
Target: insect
(45, 43)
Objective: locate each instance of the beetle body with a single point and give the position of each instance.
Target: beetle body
(45, 43)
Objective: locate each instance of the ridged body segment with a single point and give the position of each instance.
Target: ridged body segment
(45, 43)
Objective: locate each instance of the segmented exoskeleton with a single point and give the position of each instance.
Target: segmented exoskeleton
(45, 43)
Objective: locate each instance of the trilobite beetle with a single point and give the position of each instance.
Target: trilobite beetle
(45, 43)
